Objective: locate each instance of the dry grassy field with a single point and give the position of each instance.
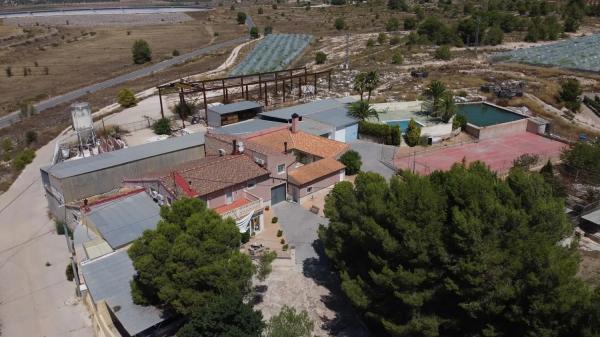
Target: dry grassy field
(319, 21)
(79, 56)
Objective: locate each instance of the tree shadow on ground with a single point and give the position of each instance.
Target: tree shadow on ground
(346, 322)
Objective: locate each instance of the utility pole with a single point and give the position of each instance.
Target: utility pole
(347, 64)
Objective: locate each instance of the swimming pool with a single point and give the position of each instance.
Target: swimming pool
(484, 114)
(402, 123)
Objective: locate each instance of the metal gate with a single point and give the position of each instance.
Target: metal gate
(277, 194)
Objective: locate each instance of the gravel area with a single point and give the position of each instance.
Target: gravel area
(102, 20)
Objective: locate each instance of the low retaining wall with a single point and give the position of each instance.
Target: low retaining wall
(498, 130)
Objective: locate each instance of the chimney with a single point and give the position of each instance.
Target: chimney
(295, 120)
(234, 150)
(285, 148)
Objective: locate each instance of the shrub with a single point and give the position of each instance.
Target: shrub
(254, 33)
(162, 126)
(274, 6)
(397, 58)
(279, 233)
(443, 53)
(397, 5)
(370, 43)
(352, 160)
(245, 237)
(410, 23)
(339, 24)
(282, 241)
(394, 40)
(381, 132)
(526, 161)
(381, 38)
(459, 121)
(268, 30)
(261, 11)
(60, 227)
(413, 133)
(7, 145)
(126, 98)
(570, 92)
(69, 272)
(22, 159)
(241, 18)
(392, 25)
(284, 247)
(31, 137)
(274, 220)
(141, 52)
(175, 52)
(395, 134)
(320, 57)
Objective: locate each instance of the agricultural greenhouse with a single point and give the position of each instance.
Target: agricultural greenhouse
(578, 54)
(274, 52)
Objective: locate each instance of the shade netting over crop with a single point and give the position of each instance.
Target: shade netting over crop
(579, 53)
(274, 52)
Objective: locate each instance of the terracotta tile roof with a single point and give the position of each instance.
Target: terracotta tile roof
(211, 174)
(313, 171)
(226, 208)
(301, 141)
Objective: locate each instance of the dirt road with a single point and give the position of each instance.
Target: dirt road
(35, 299)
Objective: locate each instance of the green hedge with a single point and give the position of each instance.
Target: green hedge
(386, 134)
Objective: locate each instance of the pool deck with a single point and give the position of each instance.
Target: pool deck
(497, 153)
(397, 111)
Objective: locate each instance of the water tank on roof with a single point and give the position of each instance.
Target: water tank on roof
(81, 115)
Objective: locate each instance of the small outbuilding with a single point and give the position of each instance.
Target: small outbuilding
(226, 114)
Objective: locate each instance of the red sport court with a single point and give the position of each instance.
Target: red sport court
(497, 153)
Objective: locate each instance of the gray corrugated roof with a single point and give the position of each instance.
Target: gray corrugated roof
(314, 127)
(234, 107)
(248, 126)
(81, 234)
(108, 278)
(109, 159)
(593, 217)
(336, 117)
(285, 114)
(123, 220)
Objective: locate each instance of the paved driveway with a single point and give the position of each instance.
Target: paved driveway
(372, 155)
(300, 229)
(316, 289)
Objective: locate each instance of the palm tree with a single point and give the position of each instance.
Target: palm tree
(360, 84)
(446, 108)
(435, 90)
(362, 110)
(371, 82)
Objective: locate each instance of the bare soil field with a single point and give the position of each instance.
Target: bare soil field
(49, 124)
(79, 56)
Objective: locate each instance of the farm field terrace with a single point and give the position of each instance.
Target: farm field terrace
(72, 57)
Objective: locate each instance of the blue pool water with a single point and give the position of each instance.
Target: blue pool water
(482, 114)
(403, 124)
